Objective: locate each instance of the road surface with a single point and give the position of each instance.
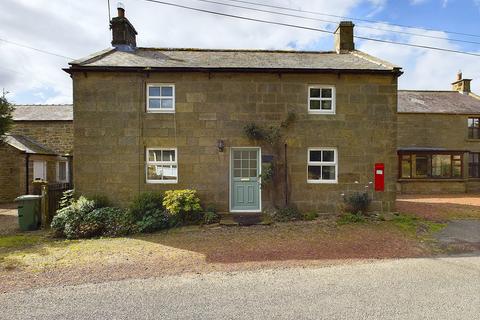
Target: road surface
(436, 288)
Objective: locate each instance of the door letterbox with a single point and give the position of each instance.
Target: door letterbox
(379, 177)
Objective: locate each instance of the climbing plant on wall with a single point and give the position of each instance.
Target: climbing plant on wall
(271, 135)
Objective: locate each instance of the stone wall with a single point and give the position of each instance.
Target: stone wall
(57, 135)
(11, 173)
(112, 131)
(447, 131)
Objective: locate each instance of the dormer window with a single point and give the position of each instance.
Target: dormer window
(161, 98)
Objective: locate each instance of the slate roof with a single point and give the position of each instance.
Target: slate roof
(449, 102)
(43, 112)
(27, 145)
(211, 59)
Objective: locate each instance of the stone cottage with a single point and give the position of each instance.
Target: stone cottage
(439, 140)
(38, 147)
(156, 119)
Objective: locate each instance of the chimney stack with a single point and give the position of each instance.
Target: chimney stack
(461, 85)
(123, 32)
(344, 37)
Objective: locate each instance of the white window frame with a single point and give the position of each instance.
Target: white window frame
(148, 162)
(67, 177)
(323, 163)
(160, 85)
(333, 99)
(44, 169)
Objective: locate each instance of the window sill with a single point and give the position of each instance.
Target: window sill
(322, 181)
(160, 111)
(472, 140)
(321, 112)
(162, 181)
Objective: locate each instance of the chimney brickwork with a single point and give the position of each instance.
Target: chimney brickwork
(123, 32)
(344, 37)
(461, 85)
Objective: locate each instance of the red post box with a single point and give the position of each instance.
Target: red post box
(379, 177)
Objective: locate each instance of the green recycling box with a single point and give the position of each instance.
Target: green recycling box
(29, 212)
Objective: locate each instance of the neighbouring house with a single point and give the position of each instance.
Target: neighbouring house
(38, 147)
(439, 140)
(154, 119)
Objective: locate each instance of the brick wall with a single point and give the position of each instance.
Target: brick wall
(112, 131)
(57, 135)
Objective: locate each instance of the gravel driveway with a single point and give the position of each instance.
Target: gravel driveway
(442, 288)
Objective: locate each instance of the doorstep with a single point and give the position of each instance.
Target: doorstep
(240, 219)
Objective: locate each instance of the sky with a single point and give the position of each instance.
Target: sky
(75, 29)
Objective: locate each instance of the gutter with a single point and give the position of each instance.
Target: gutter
(395, 71)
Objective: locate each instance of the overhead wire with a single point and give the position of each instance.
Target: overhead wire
(335, 22)
(352, 18)
(308, 28)
(36, 49)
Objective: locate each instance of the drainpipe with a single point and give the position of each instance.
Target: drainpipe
(27, 178)
(286, 177)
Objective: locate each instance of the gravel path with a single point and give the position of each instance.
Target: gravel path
(441, 288)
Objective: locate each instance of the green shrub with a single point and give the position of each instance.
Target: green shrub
(210, 215)
(287, 214)
(67, 199)
(351, 218)
(148, 212)
(153, 220)
(357, 202)
(113, 222)
(309, 216)
(67, 220)
(183, 206)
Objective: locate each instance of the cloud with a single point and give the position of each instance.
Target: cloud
(423, 68)
(417, 2)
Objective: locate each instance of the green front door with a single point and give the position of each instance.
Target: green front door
(245, 187)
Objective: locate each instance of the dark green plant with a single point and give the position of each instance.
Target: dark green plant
(148, 212)
(287, 214)
(106, 222)
(267, 174)
(351, 218)
(6, 121)
(309, 216)
(272, 135)
(210, 217)
(254, 132)
(357, 202)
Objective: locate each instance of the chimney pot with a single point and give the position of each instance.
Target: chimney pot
(344, 37)
(459, 75)
(120, 12)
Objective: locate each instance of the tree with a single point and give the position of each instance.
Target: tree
(6, 121)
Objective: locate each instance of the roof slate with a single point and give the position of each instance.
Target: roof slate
(233, 59)
(27, 145)
(41, 112)
(450, 102)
